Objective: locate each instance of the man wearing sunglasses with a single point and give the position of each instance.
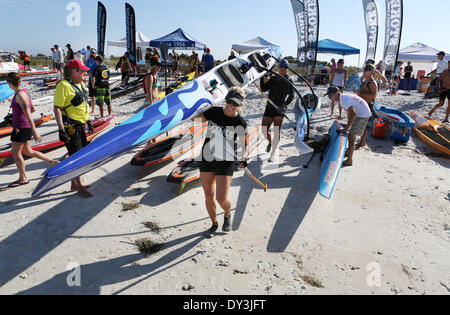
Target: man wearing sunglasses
(281, 94)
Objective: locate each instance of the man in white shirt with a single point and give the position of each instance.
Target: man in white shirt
(441, 67)
(358, 117)
(59, 60)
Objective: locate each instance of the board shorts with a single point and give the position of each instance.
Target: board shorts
(444, 95)
(359, 126)
(272, 112)
(103, 96)
(77, 138)
(58, 66)
(21, 135)
(220, 168)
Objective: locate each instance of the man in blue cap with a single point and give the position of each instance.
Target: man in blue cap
(281, 94)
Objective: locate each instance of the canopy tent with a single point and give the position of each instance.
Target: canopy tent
(252, 45)
(328, 46)
(178, 39)
(141, 41)
(422, 57)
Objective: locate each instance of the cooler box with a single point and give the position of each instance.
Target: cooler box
(401, 134)
(380, 129)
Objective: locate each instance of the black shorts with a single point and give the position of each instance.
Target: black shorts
(92, 91)
(223, 168)
(21, 135)
(78, 140)
(272, 112)
(434, 82)
(26, 63)
(444, 95)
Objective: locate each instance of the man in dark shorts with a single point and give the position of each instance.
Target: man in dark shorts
(69, 54)
(443, 85)
(408, 75)
(71, 109)
(281, 94)
(100, 80)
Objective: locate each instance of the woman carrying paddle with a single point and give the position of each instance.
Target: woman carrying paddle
(152, 85)
(226, 134)
(23, 129)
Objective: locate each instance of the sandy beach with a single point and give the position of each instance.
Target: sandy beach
(385, 231)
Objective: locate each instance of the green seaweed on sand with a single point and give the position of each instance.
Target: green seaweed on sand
(153, 227)
(312, 281)
(147, 246)
(130, 206)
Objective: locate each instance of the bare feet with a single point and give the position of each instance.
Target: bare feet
(360, 146)
(445, 121)
(340, 117)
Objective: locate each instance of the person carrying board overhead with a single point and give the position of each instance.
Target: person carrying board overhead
(226, 136)
(281, 94)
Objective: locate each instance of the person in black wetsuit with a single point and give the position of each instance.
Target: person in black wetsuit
(281, 94)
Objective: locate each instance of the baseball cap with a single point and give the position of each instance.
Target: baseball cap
(284, 64)
(370, 62)
(77, 64)
(441, 53)
(234, 98)
(208, 50)
(332, 90)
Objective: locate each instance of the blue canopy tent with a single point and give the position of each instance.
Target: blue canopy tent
(328, 46)
(178, 40)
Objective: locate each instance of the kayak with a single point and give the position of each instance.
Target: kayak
(51, 141)
(332, 160)
(188, 170)
(432, 132)
(5, 90)
(170, 147)
(173, 87)
(7, 67)
(178, 107)
(393, 116)
(37, 122)
(313, 103)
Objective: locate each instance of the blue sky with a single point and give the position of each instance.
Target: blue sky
(36, 25)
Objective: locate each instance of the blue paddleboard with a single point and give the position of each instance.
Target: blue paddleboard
(333, 158)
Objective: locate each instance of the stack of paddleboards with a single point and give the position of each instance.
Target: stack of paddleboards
(399, 125)
(50, 141)
(178, 107)
(432, 132)
(188, 170)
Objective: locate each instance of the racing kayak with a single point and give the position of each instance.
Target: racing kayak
(51, 141)
(170, 147)
(313, 103)
(332, 160)
(37, 122)
(188, 170)
(178, 107)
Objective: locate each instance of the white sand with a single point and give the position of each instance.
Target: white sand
(391, 209)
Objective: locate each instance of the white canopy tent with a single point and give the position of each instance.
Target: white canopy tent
(422, 57)
(141, 41)
(252, 45)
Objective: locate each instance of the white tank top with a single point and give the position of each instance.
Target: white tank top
(339, 79)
